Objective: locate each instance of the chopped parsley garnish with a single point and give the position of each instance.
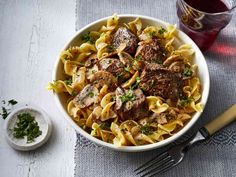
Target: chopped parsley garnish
(110, 48)
(4, 113)
(129, 96)
(152, 34)
(162, 30)
(138, 58)
(91, 94)
(81, 63)
(113, 98)
(188, 72)
(185, 102)
(105, 126)
(74, 93)
(12, 102)
(158, 61)
(127, 69)
(120, 76)
(26, 126)
(88, 38)
(146, 129)
(138, 80)
(68, 81)
(5, 110)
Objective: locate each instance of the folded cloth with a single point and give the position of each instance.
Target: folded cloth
(214, 158)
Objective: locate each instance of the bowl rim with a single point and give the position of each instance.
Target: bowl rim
(141, 147)
(36, 144)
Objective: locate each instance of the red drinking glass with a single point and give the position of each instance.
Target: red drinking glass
(202, 20)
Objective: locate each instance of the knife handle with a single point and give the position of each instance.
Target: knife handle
(220, 121)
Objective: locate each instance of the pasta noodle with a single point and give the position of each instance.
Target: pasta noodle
(134, 90)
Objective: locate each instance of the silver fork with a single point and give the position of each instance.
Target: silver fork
(173, 156)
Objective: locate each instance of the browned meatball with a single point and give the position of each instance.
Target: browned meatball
(131, 104)
(124, 35)
(161, 82)
(151, 52)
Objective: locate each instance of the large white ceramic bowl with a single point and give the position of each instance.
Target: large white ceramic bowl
(183, 38)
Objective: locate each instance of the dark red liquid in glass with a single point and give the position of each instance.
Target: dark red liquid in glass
(209, 6)
(197, 20)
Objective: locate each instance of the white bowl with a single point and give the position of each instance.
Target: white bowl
(199, 60)
(44, 123)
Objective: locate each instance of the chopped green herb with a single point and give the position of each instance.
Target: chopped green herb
(91, 94)
(110, 48)
(120, 76)
(127, 69)
(113, 98)
(26, 126)
(185, 102)
(162, 30)
(129, 96)
(88, 38)
(138, 80)
(153, 33)
(93, 71)
(68, 81)
(188, 72)
(12, 102)
(105, 126)
(138, 58)
(4, 113)
(81, 63)
(146, 129)
(158, 61)
(74, 93)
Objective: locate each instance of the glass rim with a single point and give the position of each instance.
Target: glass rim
(216, 13)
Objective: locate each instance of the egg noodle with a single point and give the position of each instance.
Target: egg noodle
(96, 112)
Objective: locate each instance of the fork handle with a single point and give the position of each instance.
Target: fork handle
(221, 121)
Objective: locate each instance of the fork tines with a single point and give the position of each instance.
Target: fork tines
(158, 164)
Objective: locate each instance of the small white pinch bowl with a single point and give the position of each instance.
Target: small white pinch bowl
(44, 123)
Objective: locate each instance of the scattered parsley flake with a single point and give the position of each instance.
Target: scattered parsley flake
(88, 38)
(138, 58)
(74, 93)
(110, 48)
(162, 30)
(188, 72)
(127, 69)
(138, 80)
(91, 94)
(68, 81)
(185, 102)
(4, 113)
(12, 102)
(105, 126)
(146, 129)
(152, 34)
(129, 96)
